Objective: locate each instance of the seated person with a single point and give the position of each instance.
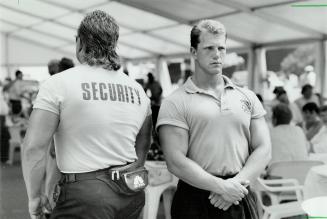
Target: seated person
(319, 141)
(308, 96)
(312, 123)
(296, 113)
(288, 141)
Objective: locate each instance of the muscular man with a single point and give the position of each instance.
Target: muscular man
(214, 135)
(100, 119)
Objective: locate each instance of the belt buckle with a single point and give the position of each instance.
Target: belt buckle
(115, 175)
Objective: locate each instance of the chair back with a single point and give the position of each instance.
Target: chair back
(292, 169)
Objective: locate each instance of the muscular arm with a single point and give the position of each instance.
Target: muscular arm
(143, 139)
(174, 141)
(261, 155)
(42, 126)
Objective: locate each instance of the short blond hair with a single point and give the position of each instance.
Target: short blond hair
(212, 26)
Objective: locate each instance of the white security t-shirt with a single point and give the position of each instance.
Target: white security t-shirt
(101, 113)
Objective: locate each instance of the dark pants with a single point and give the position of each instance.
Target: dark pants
(4, 139)
(16, 106)
(191, 202)
(96, 199)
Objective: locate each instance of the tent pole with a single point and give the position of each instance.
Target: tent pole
(7, 54)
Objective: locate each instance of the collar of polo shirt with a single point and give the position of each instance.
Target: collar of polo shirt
(190, 87)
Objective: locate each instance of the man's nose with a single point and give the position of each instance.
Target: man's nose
(216, 53)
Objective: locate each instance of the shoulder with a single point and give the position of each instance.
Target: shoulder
(246, 92)
(178, 96)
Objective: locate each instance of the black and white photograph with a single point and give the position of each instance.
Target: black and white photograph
(163, 109)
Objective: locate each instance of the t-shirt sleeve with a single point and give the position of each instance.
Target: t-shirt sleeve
(49, 97)
(257, 109)
(171, 114)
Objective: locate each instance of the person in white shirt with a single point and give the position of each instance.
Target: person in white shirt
(288, 142)
(319, 141)
(100, 119)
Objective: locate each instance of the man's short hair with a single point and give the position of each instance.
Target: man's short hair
(282, 114)
(306, 87)
(65, 63)
(18, 72)
(98, 33)
(212, 26)
(53, 66)
(310, 107)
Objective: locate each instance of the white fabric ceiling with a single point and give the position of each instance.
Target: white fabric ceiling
(150, 28)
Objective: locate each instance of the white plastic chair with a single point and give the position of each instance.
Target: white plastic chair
(161, 182)
(296, 170)
(277, 211)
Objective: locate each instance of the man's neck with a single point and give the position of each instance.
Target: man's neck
(208, 82)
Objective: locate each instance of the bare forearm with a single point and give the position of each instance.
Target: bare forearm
(256, 163)
(193, 174)
(34, 171)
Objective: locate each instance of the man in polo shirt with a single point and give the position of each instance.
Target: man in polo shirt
(100, 119)
(214, 135)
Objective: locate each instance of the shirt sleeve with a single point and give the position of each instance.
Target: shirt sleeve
(171, 114)
(257, 109)
(49, 97)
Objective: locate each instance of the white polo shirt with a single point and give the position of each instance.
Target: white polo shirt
(101, 113)
(219, 129)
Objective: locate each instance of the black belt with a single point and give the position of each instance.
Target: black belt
(74, 177)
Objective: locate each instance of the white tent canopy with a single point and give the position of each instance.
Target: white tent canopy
(35, 31)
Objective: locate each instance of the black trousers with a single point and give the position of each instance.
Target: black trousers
(191, 202)
(16, 106)
(96, 199)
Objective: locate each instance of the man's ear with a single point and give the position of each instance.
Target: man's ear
(193, 52)
(79, 45)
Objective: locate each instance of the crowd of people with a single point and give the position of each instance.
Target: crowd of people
(90, 131)
(17, 99)
(299, 127)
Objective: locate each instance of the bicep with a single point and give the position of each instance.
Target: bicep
(174, 142)
(42, 126)
(260, 136)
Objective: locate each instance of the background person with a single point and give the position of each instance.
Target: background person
(15, 92)
(288, 142)
(319, 140)
(312, 123)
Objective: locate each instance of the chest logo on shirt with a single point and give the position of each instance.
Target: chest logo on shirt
(246, 106)
(110, 92)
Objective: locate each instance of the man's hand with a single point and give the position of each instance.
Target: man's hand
(219, 202)
(37, 206)
(233, 190)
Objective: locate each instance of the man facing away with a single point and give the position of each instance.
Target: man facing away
(207, 129)
(100, 119)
